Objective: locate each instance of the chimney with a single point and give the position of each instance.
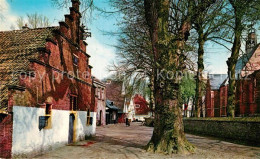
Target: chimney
(25, 27)
(75, 4)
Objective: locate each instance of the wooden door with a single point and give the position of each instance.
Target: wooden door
(71, 127)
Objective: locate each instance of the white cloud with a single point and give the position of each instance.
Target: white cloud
(7, 19)
(101, 57)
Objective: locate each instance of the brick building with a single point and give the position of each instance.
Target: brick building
(115, 92)
(100, 101)
(142, 109)
(248, 99)
(247, 77)
(247, 71)
(138, 108)
(46, 88)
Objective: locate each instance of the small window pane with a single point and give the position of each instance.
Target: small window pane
(75, 60)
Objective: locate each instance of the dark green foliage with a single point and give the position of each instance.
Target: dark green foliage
(187, 87)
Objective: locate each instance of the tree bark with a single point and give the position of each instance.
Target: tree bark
(199, 82)
(168, 135)
(232, 63)
(152, 98)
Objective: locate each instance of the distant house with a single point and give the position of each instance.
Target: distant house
(138, 108)
(142, 109)
(111, 112)
(100, 101)
(115, 92)
(46, 88)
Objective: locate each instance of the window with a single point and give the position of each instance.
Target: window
(45, 121)
(48, 109)
(98, 93)
(137, 106)
(87, 73)
(75, 60)
(89, 119)
(73, 102)
(103, 94)
(87, 70)
(87, 65)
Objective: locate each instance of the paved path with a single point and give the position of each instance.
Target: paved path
(120, 142)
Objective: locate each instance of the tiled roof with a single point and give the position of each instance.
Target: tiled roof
(243, 60)
(16, 48)
(111, 105)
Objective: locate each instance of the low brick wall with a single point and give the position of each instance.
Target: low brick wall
(6, 131)
(245, 131)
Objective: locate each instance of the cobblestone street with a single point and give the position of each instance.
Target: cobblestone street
(120, 142)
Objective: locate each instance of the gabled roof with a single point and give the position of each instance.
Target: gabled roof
(16, 48)
(144, 108)
(243, 60)
(216, 80)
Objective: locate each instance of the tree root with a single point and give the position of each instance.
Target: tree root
(170, 144)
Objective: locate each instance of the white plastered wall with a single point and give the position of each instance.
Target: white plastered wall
(28, 140)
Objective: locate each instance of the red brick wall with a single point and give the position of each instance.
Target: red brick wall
(6, 129)
(52, 83)
(216, 103)
(209, 101)
(223, 100)
(248, 100)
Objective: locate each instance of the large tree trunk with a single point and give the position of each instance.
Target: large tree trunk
(199, 82)
(232, 63)
(168, 135)
(152, 98)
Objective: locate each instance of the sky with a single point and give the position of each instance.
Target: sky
(100, 44)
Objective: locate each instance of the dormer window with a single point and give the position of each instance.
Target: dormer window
(89, 118)
(75, 60)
